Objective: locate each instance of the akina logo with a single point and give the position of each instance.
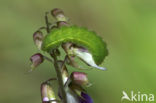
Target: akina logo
(137, 96)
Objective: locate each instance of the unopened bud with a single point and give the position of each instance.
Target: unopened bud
(71, 57)
(79, 78)
(38, 37)
(62, 23)
(64, 71)
(36, 59)
(47, 93)
(58, 14)
(66, 46)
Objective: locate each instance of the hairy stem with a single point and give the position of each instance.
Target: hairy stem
(57, 69)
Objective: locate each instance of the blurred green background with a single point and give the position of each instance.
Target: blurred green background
(128, 27)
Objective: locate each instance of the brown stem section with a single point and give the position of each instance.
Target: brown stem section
(47, 23)
(57, 69)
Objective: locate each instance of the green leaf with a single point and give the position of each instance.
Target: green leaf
(80, 36)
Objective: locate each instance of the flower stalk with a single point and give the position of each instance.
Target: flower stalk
(70, 86)
(60, 80)
(57, 69)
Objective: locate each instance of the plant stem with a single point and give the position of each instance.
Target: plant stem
(47, 23)
(57, 69)
(60, 80)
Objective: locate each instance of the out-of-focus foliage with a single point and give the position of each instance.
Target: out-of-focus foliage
(128, 27)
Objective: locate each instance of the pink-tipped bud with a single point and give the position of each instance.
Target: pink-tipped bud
(38, 37)
(36, 59)
(47, 93)
(62, 23)
(58, 14)
(79, 78)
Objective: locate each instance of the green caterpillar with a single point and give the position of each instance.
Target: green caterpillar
(78, 35)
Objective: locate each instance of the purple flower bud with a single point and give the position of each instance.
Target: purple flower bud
(38, 37)
(62, 23)
(58, 14)
(47, 93)
(36, 59)
(85, 98)
(79, 78)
